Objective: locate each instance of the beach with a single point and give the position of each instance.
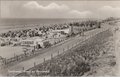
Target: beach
(9, 51)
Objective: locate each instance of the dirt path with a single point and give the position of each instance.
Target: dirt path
(54, 51)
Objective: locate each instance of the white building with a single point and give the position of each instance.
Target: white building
(1, 60)
(64, 30)
(33, 42)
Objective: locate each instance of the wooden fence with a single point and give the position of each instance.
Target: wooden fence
(36, 65)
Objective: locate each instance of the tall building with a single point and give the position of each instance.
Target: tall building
(71, 29)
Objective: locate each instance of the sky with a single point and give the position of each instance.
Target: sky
(59, 9)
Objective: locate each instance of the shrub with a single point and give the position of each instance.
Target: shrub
(47, 44)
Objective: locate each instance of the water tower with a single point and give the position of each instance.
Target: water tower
(71, 29)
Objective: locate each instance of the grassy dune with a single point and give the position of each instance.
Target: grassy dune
(83, 60)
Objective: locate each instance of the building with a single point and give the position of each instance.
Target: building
(33, 42)
(67, 30)
(27, 42)
(2, 60)
(71, 29)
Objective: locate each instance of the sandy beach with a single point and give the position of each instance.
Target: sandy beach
(4, 51)
(12, 28)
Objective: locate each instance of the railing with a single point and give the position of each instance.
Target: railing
(24, 56)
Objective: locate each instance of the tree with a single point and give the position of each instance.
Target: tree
(99, 24)
(47, 44)
(38, 46)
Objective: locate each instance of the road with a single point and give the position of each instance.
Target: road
(53, 50)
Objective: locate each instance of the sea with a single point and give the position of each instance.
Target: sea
(17, 23)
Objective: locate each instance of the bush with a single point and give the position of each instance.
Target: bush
(3, 44)
(47, 44)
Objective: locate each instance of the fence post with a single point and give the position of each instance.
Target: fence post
(34, 64)
(23, 69)
(17, 57)
(34, 48)
(32, 52)
(5, 61)
(14, 55)
(31, 72)
(35, 73)
(51, 56)
(44, 60)
(58, 52)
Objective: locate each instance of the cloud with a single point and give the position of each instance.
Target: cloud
(78, 13)
(109, 8)
(108, 11)
(54, 10)
(34, 9)
(32, 5)
(52, 6)
(58, 9)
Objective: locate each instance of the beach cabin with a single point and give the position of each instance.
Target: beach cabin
(58, 33)
(1, 61)
(39, 42)
(27, 42)
(1, 41)
(33, 42)
(67, 30)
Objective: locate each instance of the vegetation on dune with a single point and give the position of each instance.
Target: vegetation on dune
(76, 62)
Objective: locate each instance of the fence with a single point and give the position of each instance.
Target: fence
(24, 56)
(33, 53)
(36, 65)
